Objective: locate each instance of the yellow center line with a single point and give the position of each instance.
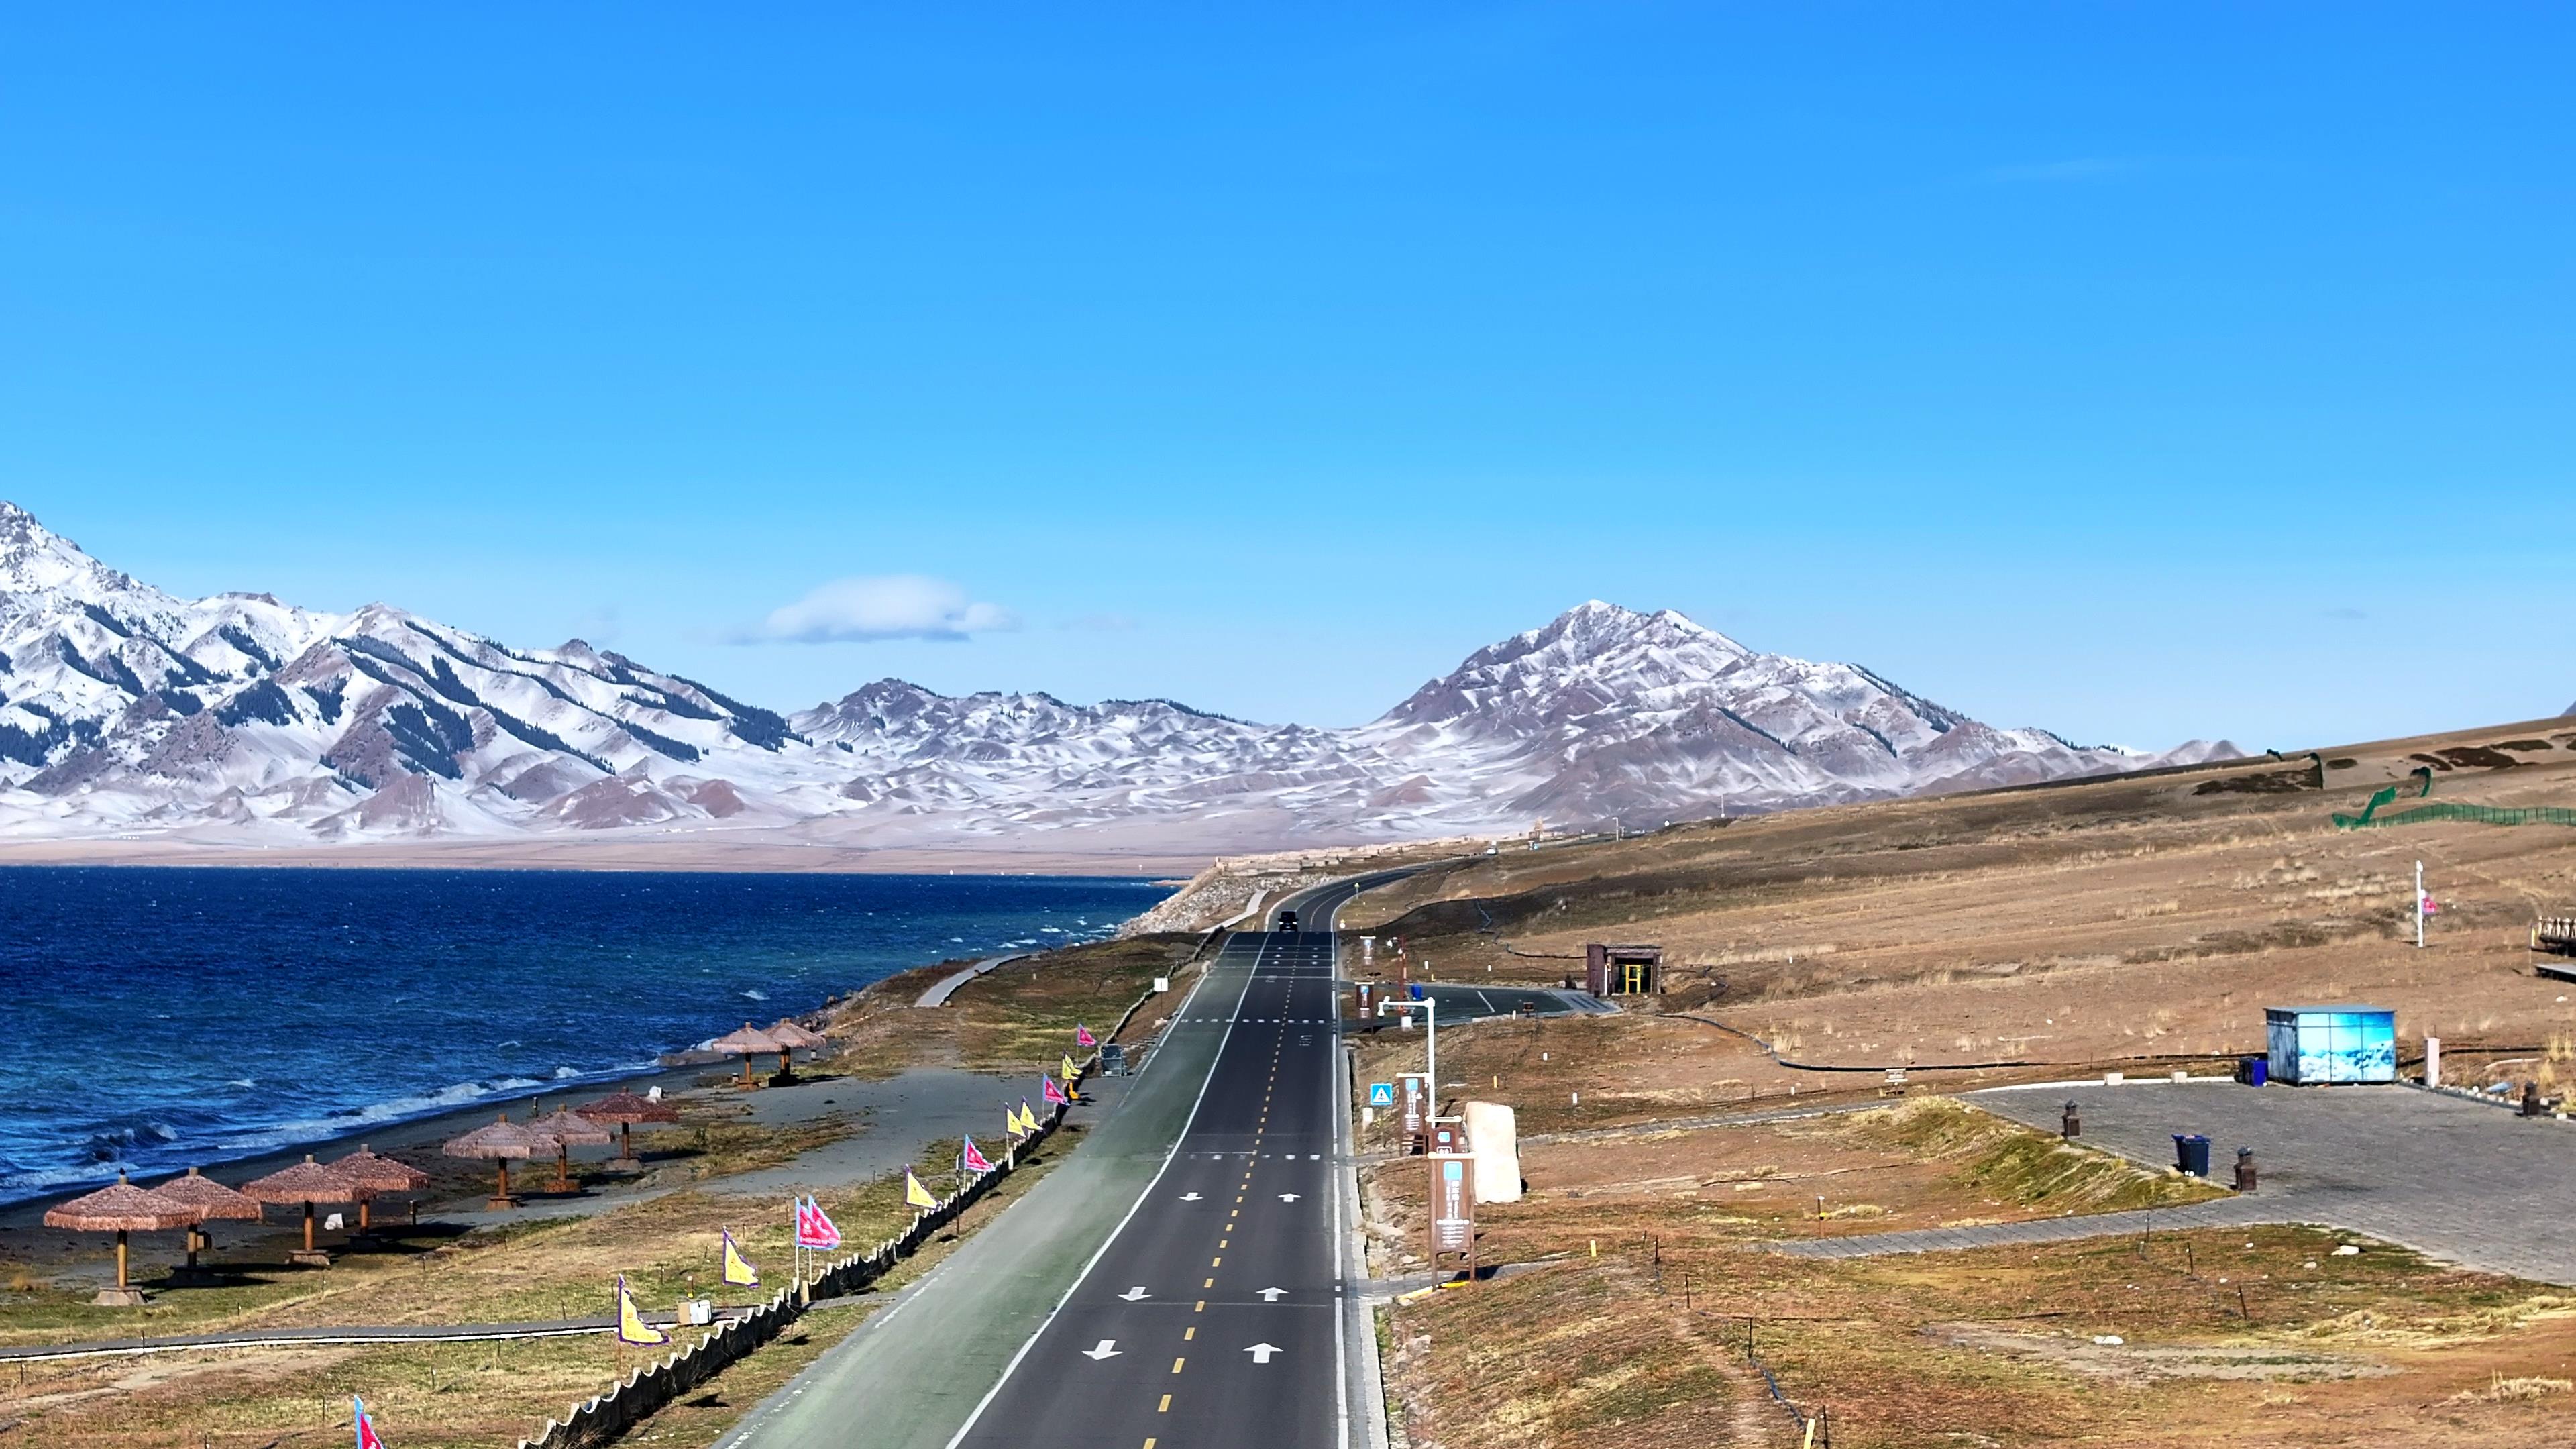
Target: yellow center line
(1164, 1407)
(1216, 1262)
(1202, 1306)
(1176, 1364)
(1208, 1284)
(1192, 1332)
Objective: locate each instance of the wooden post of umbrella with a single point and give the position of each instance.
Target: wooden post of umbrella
(305, 1184)
(789, 1036)
(626, 1110)
(746, 1044)
(497, 1144)
(212, 1200)
(566, 1129)
(378, 1174)
(121, 1209)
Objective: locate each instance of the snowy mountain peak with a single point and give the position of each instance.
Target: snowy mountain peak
(240, 719)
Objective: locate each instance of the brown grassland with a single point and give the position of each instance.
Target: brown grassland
(2134, 924)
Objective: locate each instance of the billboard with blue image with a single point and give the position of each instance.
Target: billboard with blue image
(2311, 1044)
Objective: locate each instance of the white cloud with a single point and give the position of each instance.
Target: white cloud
(884, 606)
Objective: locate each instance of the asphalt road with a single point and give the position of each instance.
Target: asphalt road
(1212, 1317)
(1206, 1183)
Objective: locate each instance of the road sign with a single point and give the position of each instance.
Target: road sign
(1453, 1205)
(1381, 1094)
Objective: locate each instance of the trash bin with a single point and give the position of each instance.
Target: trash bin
(2254, 1071)
(1418, 992)
(2191, 1153)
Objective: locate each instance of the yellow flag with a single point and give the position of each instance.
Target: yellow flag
(1028, 1119)
(1068, 1072)
(631, 1327)
(1011, 1120)
(914, 1193)
(739, 1271)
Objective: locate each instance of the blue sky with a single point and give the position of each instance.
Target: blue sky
(2140, 371)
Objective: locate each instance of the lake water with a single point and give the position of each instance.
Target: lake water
(157, 1018)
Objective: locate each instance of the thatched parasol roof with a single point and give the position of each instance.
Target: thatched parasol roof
(788, 1033)
(379, 1173)
(210, 1198)
(628, 1107)
(571, 1129)
(502, 1138)
(123, 1208)
(750, 1041)
(306, 1182)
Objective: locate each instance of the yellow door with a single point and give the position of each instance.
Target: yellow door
(1633, 975)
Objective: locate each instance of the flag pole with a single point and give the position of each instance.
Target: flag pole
(2419, 905)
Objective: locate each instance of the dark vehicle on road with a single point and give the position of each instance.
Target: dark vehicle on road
(1288, 921)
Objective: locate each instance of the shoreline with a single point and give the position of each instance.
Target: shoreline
(428, 1128)
(676, 1068)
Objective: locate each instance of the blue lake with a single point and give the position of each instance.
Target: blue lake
(155, 1018)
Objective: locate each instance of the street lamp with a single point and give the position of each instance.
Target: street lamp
(1430, 1041)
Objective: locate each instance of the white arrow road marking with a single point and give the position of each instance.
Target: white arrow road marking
(1189, 1197)
(1261, 1352)
(1271, 1295)
(1108, 1349)
(1287, 1197)
(1136, 1293)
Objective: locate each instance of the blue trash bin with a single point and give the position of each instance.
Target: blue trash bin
(1418, 992)
(2191, 1153)
(2258, 1070)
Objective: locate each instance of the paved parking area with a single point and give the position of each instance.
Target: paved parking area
(2461, 1181)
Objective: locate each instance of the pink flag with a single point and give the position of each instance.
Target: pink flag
(1082, 1036)
(366, 1427)
(1054, 1093)
(814, 1227)
(975, 1159)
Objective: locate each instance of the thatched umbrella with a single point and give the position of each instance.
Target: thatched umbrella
(378, 1174)
(569, 1129)
(626, 1110)
(306, 1183)
(790, 1035)
(746, 1044)
(212, 1200)
(121, 1209)
(498, 1143)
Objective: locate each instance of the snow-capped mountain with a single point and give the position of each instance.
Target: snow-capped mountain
(238, 719)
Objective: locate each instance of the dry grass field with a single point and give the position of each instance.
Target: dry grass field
(1020, 1013)
(2076, 925)
(2127, 924)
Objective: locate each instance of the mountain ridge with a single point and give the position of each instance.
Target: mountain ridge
(126, 712)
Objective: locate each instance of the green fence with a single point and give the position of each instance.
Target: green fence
(2370, 818)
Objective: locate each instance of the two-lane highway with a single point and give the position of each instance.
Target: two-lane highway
(1209, 1318)
(1172, 1282)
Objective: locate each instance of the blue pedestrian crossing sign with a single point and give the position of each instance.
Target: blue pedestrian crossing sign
(1381, 1094)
